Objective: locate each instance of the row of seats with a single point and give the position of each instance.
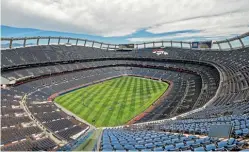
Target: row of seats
(44, 144)
(120, 139)
(240, 125)
(15, 134)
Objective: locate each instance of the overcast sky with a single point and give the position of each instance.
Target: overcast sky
(130, 20)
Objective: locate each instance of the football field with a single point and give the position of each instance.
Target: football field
(113, 102)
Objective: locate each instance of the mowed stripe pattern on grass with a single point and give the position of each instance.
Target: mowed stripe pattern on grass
(113, 102)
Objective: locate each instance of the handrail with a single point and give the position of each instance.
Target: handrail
(109, 46)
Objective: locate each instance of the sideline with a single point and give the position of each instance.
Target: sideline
(74, 115)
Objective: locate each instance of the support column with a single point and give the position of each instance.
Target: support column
(190, 45)
(229, 44)
(171, 43)
(59, 40)
(37, 41)
(219, 46)
(153, 44)
(24, 42)
(181, 44)
(241, 42)
(48, 40)
(101, 45)
(76, 42)
(68, 40)
(144, 45)
(10, 45)
(108, 46)
(93, 44)
(162, 43)
(85, 43)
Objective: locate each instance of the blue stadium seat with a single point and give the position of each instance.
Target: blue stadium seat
(199, 149)
(176, 140)
(157, 139)
(167, 142)
(170, 148)
(192, 143)
(182, 146)
(140, 147)
(146, 150)
(158, 149)
(238, 132)
(221, 145)
(129, 147)
(107, 149)
(118, 147)
(245, 131)
(159, 143)
(149, 145)
(210, 147)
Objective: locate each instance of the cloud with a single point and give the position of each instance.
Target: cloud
(123, 18)
(211, 34)
(217, 26)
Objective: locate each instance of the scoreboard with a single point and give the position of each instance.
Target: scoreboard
(125, 47)
(201, 45)
(122, 46)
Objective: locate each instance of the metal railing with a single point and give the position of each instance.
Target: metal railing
(228, 41)
(85, 42)
(58, 39)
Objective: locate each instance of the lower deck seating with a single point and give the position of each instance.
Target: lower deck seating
(16, 134)
(44, 144)
(66, 134)
(240, 124)
(120, 139)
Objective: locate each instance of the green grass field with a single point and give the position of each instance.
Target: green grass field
(113, 102)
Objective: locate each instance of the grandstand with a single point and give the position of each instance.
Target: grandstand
(207, 87)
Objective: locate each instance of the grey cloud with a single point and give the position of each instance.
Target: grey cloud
(119, 18)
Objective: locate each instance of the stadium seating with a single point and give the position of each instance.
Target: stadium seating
(37, 145)
(202, 126)
(123, 139)
(197, 77)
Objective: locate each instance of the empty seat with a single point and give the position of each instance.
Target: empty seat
(199, 149)
(210, 147)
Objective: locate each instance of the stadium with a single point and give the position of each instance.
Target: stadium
(61, 93)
